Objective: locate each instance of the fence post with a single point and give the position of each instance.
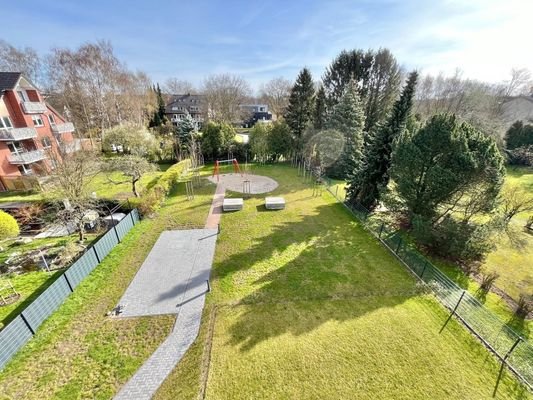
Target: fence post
(27, 323)
(423, 269)
(96, 254)
(218, 229)
(68, 282)
(208, 285)
(512, 348)
(381, 229)
(453, 311)
(398, 247)
(132, 219)
(337, 192)
(115, 229)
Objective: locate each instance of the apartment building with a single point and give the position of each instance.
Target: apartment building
(182, 105)
(29, 129)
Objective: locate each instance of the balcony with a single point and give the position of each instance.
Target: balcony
(63, 128)
(27, 157)
(14, 134)
(33, 107)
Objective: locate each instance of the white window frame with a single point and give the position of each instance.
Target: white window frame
(37, 117)
(49, 142)
(51, 119)
(3, 123)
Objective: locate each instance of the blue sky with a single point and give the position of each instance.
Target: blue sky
(260, 40)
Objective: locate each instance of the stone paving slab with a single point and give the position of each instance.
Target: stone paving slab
(179, 262)
(188, 298)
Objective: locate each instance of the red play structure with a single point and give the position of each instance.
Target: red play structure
(236, 168)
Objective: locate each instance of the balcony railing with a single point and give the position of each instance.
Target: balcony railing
(63, 128)
(33, 107)
(27, 157)
(14, 134)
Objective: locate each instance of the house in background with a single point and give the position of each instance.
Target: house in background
(254, 113)
(28, 129)
(182, 105)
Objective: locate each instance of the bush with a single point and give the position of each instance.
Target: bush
(524, 306)
(8, 226)
(487, 280)
(467, 242)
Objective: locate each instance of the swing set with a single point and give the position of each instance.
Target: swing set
(236, 168)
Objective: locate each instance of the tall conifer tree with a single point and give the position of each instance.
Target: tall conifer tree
(300, 109)
(365, 187)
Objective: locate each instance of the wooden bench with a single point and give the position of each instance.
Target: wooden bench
(232, 204)
(274, 203)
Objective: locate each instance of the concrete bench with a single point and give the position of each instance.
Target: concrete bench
(232, 204)
(274, 203)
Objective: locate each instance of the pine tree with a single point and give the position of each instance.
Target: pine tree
(300, 109)
(365, 186)
(160, 105)
(319, 113)
(349, 119)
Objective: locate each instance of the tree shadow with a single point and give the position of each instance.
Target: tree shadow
(320, 257)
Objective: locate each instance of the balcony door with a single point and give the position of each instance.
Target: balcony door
(15, 148)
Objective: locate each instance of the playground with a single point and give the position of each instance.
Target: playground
(229, 175)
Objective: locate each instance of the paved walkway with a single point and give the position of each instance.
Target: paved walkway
(171, 280)
(215, 213)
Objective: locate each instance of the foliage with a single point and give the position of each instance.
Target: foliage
(133, 167)
(279, 140)
(376, 74)
(514, 200)
(8, 226)
(259, 142)
(184, 134)
(524, 306)
(320, 111)
(159, 118)
(521, 156)
(445, 168)
(487, 281)
(134, 139)
(452, 239)
(365, 187)
(348, 118)
(211, 140)
(519, 135)
(300, 108)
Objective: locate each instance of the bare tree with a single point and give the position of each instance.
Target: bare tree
(224, 93)
(132, 168)
(25, 60)
(276, 93)
(178, 86)
(520, 82)
(514, 200)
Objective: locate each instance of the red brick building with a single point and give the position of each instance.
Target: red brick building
(29, 129)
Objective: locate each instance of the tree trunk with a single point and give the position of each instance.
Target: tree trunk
(134, 187)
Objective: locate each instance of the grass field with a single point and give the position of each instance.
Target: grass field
(100, 184)
(306, 304)
(81, 353)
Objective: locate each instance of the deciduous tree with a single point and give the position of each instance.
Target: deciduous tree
(276, 93)
(224, 93)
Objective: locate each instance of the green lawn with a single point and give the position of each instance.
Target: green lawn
(306, 304)
(100, 184)
(81, 353)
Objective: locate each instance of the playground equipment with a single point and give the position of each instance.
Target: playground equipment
(236, 168)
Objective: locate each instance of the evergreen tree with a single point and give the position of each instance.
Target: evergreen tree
(184, 134)
(300, 109)
(319, 113)
(365, 186)
(348, 118)
(519, 135)
(158, 118)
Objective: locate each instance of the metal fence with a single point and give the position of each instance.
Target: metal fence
(504, 342)
(17, 333)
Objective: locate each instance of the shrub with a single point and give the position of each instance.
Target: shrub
(487, 280)
(524, 306)
(8, 226)
(467, 242)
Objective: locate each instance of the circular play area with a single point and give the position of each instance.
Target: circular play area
(245, 183)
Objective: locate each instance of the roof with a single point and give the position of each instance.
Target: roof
(184, 100)
(8, 80)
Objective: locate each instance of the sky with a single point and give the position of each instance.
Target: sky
(260, 40)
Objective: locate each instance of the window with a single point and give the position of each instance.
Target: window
(15, 147)
(37, 120)
(45, 141)
(51, 119)
(5, 123)
(22, 94)
(25, 169)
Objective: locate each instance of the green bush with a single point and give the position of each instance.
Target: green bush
(466, 242)
(8, 226)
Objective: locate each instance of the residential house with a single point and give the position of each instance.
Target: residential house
(518, 108)
(254, 113)
(29, 128)
(182, 105)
